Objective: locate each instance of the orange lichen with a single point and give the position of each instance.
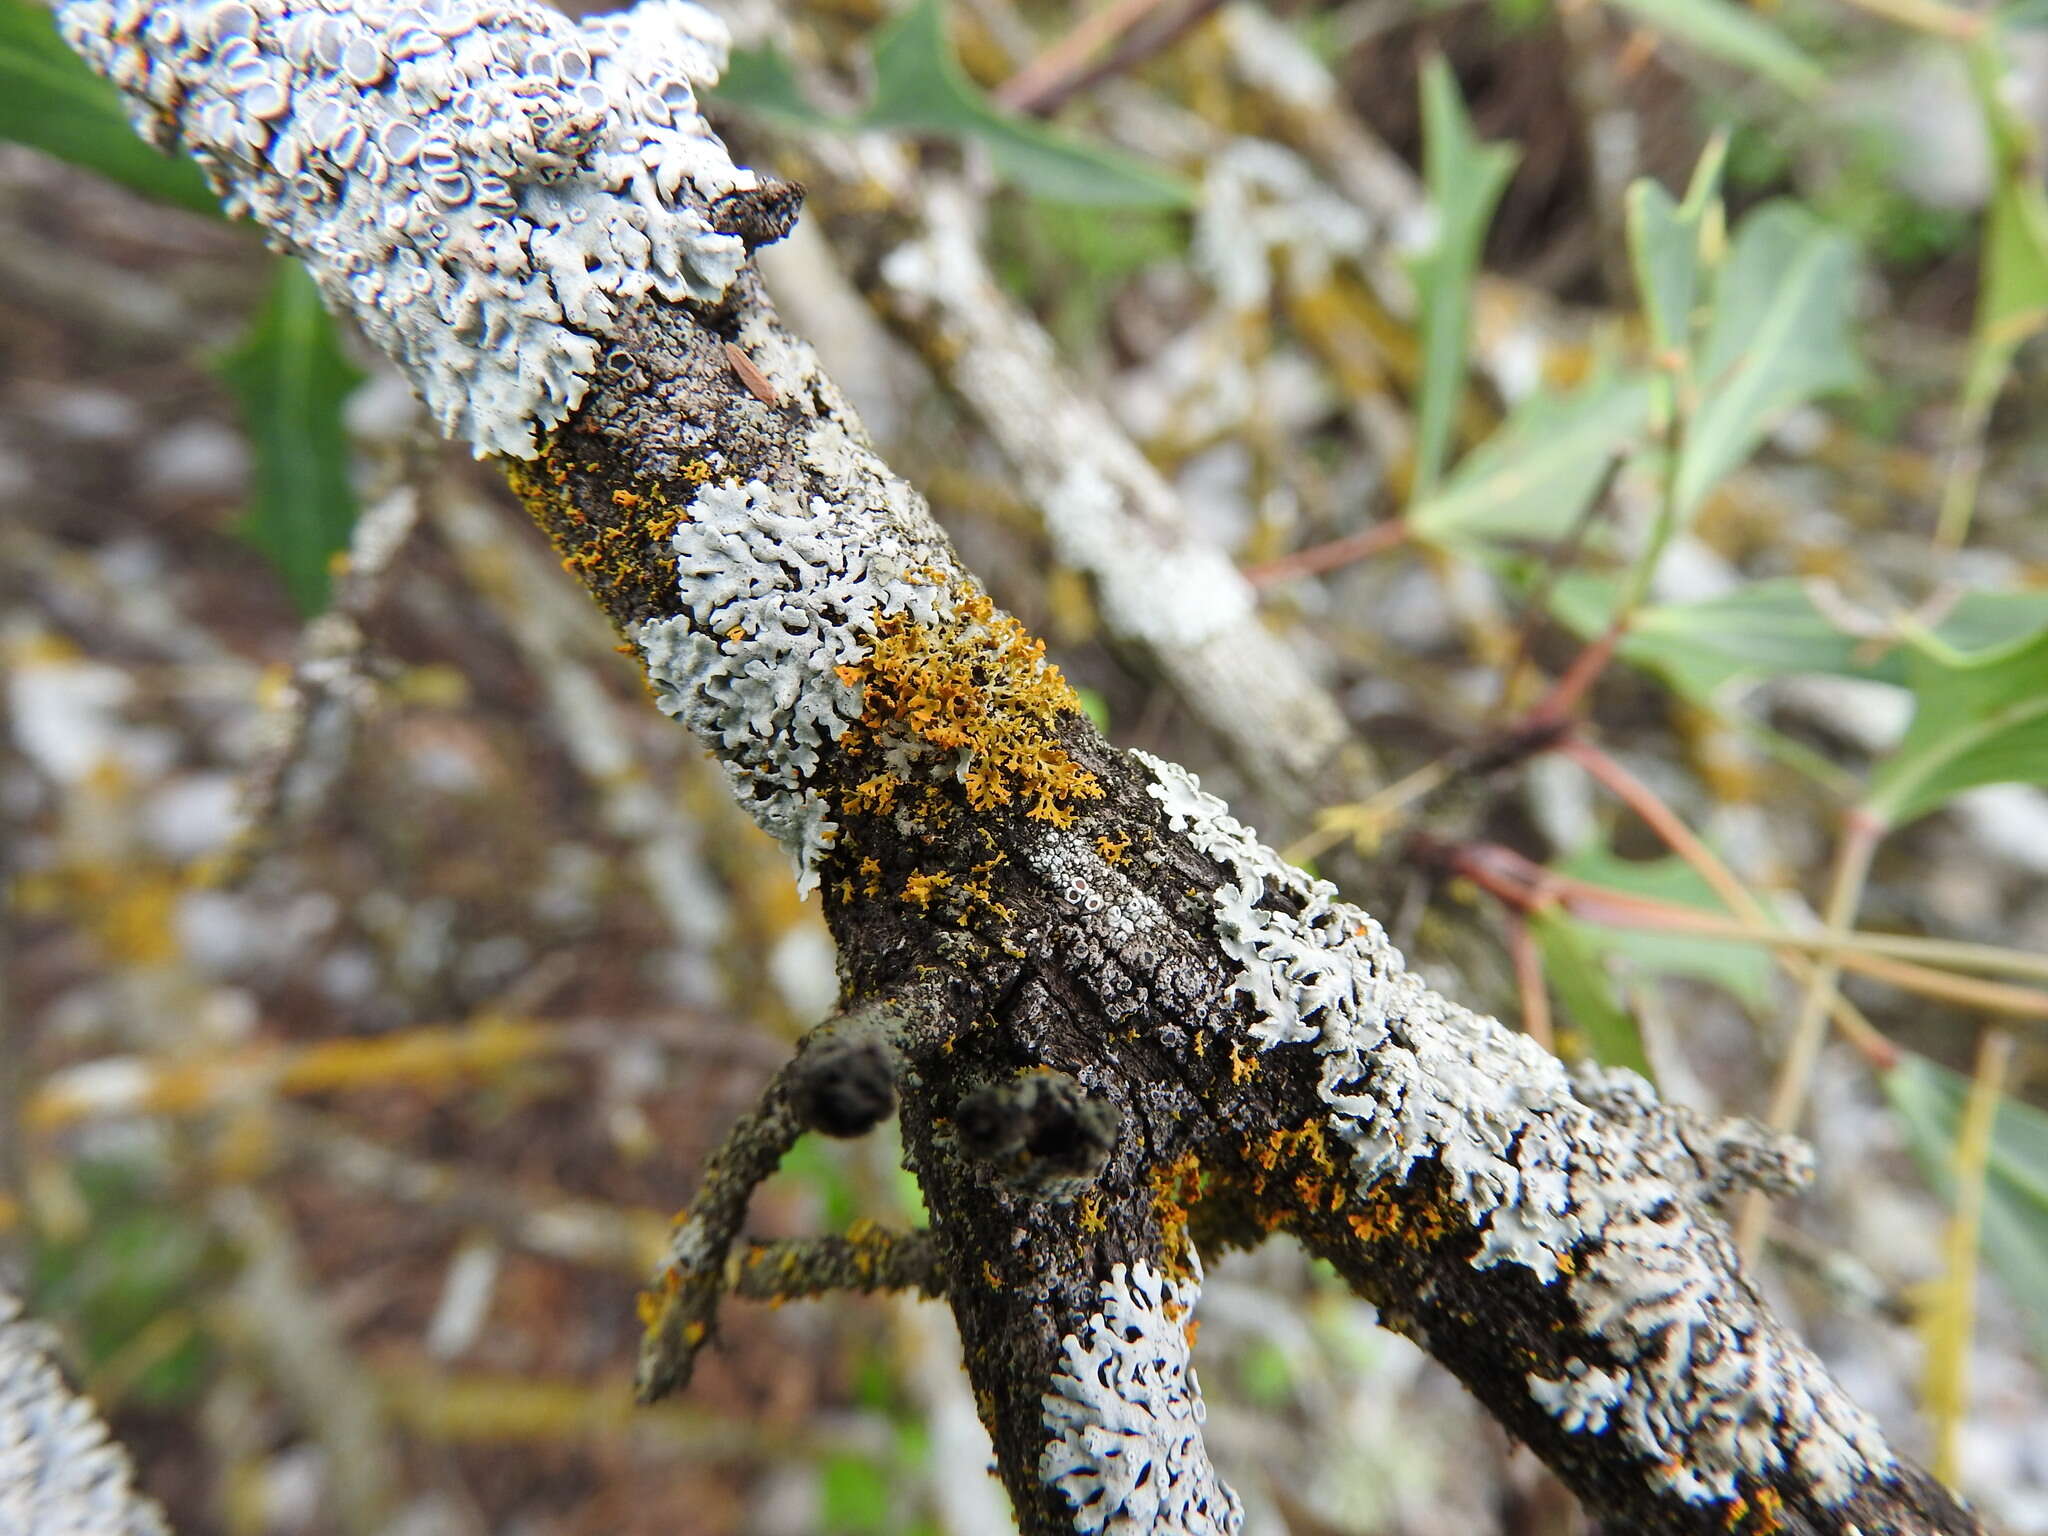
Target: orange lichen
(1176, 1190)
(1383, 1215)
(1763, 1516)
(877, 794)
(981, 687)
(620, 553)
(1090, 1214)
(1113, 849)
(920, 889)
(1242, 1066)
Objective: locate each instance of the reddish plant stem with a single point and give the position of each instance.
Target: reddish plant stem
(1334, 555)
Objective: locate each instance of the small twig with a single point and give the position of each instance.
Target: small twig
(1367, 821)
(1071, 52)
(1861, 834)
(327, 688)
(1955, 1312)
(679, 1310)
(1137, 47)
(1330, 556)
(1929, 16)
(1865, 953)
(867, 1258)
(1529, 983)
(1681, 840)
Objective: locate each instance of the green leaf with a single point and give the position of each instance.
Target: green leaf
(1536, 475)
(51, 101)
(290, 377)
(1741, 967)
(1465, 179)
(1772, 629)
(1928, 1100)
(1667, 252)
(1572, 967)
(763, 82)
(2012, 291)
(1979, 717)
(138, 1260)
(1736, 35)
(920, 88)
(1779, 337)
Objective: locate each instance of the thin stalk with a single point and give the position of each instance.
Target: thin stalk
(1370, 817)
(1624, 909)
(1928, 16)
(1330, 556)
(1861, 834)
(1681, 840)
(1529, 982)
(1953, 1316)
(1071, 51)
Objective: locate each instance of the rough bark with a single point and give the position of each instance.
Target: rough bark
(1122, 1029)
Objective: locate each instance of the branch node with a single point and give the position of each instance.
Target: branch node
(1041, 1130)
(843, 1083)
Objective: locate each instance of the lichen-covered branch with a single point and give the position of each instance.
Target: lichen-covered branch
(1122, 1018)
(1161, 587)
(60, 1473)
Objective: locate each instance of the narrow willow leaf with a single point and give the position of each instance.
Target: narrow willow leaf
(1779, 337)
(51, 101)
(1535, 477)
(1928, 1101)
(1736, 35)
(1979, 718)
(1667, 255)
(1572, 966)
(290, 377)
(1465, 179)
(920, 88)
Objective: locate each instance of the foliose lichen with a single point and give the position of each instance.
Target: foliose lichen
(60, 1474)
(1124, 1417)
(485, 185)
(1693, 1374)
(777, 595)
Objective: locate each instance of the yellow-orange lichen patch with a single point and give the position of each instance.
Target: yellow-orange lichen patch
(1764, 1515)
(1176, 1189)
(1090, 1214)
(1242, 1066)
(1113, 849)
(876, 793)
(1384, 1214)
(979, 686)
(618, 548)
(919, 890)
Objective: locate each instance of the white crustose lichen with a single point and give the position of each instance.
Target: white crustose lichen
(486, 186)
(1125, 1418)
(1694, 1375)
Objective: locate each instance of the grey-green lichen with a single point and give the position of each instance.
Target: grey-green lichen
(487, 187)
(1600, 1197)
(60, 1473)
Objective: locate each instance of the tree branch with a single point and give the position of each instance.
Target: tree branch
(532, 218)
